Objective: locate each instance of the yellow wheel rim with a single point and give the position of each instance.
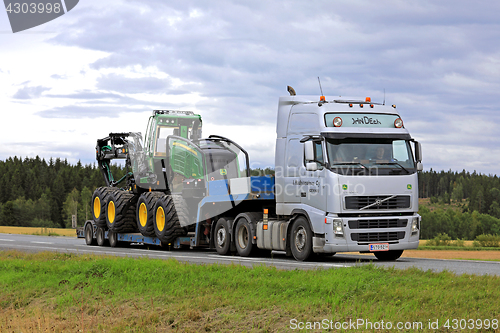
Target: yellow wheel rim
(111, 212)
(97, 207)
(160, 219)
(143, 214)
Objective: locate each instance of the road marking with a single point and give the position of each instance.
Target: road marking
(6, 240)
(42, 242)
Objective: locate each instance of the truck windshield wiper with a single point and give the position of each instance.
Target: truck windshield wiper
(394, 163)
(350, 163)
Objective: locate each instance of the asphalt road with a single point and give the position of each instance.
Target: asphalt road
(277, 259)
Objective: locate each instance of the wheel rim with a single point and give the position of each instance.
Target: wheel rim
(243, 237)
(111, 212)
(160, 219)
(97, 207)
(300, 239)
(221, 236)
(143, 214)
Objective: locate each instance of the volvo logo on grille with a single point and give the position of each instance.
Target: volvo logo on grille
(378, 202)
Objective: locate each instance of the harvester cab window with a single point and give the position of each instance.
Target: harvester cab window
(162, 132)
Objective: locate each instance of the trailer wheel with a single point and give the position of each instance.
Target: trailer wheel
(99, 234)
(146, 211)
(243, 239)
(113, 238)
(120, 212)
(170, 214)
(99, 199)
(388, 255)
(301, 239)
(89, 234)
(222, 237)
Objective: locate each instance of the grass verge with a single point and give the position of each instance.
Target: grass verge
(64, 292)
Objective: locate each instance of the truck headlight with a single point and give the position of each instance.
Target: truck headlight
(338, 228)
(414, 226)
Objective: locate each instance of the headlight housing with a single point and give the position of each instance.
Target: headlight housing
(338, 228)
(414, 226)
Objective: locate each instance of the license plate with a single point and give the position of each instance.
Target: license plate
(378, 247)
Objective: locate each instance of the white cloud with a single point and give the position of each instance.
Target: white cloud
(104, 66)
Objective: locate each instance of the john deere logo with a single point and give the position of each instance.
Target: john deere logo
(344, 187)
(408, 186)
(223, 172)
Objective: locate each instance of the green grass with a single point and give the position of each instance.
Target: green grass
(65, 292)
(457, 248)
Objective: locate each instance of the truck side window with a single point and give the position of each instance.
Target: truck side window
(318, 152)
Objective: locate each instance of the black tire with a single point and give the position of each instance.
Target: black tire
(243, 236)
(222, 238)
(170, 217)
(390, 255)
(146, 211)
(120, 212)
(99, 235)
(301, 239)
(89, 234)
(113, 238)
(99, 200)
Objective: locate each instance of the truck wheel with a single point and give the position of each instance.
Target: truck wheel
(243, 237)
(99, 199)
(145, 212)
(113, 238)
(89, 234)
(301, 239)
(222, 238)
(120, 212)
(169, 211)
(99, 234)
(388, 255)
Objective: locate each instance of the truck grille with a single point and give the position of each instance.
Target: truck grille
(377, 202)
(377, 236)
(377, 224)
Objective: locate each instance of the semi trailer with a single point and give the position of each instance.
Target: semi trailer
(345, 181)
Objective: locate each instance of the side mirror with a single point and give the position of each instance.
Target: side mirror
(418, 151)
(420, 166)
(309, 150)
(311, 166)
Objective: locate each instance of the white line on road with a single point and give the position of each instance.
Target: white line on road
(42, 242)
(7, 240)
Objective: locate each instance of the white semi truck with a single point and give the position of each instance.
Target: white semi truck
(345, 181)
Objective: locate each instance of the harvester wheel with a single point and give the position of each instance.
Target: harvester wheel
(170, 218)
(120, 212)
(99, 199)
(145, 212)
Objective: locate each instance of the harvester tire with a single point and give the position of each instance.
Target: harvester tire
(170, 218)
(120, 212)
(146, 211)
(99, 199)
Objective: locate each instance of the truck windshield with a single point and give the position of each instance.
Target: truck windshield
(380, 156)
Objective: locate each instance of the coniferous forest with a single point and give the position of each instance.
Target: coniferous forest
(35, 192)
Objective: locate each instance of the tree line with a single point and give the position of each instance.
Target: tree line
(39, 193)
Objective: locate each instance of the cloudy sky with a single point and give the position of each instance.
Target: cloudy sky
(103, 67)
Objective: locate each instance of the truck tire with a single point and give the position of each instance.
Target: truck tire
(301, 239)
(170, 214)
(99, 199)
(89, 234)
(222, 237)
(113, 238)
(99, 235)
(390, 255)
(243, 235)
(145, 212)
(120, 212)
